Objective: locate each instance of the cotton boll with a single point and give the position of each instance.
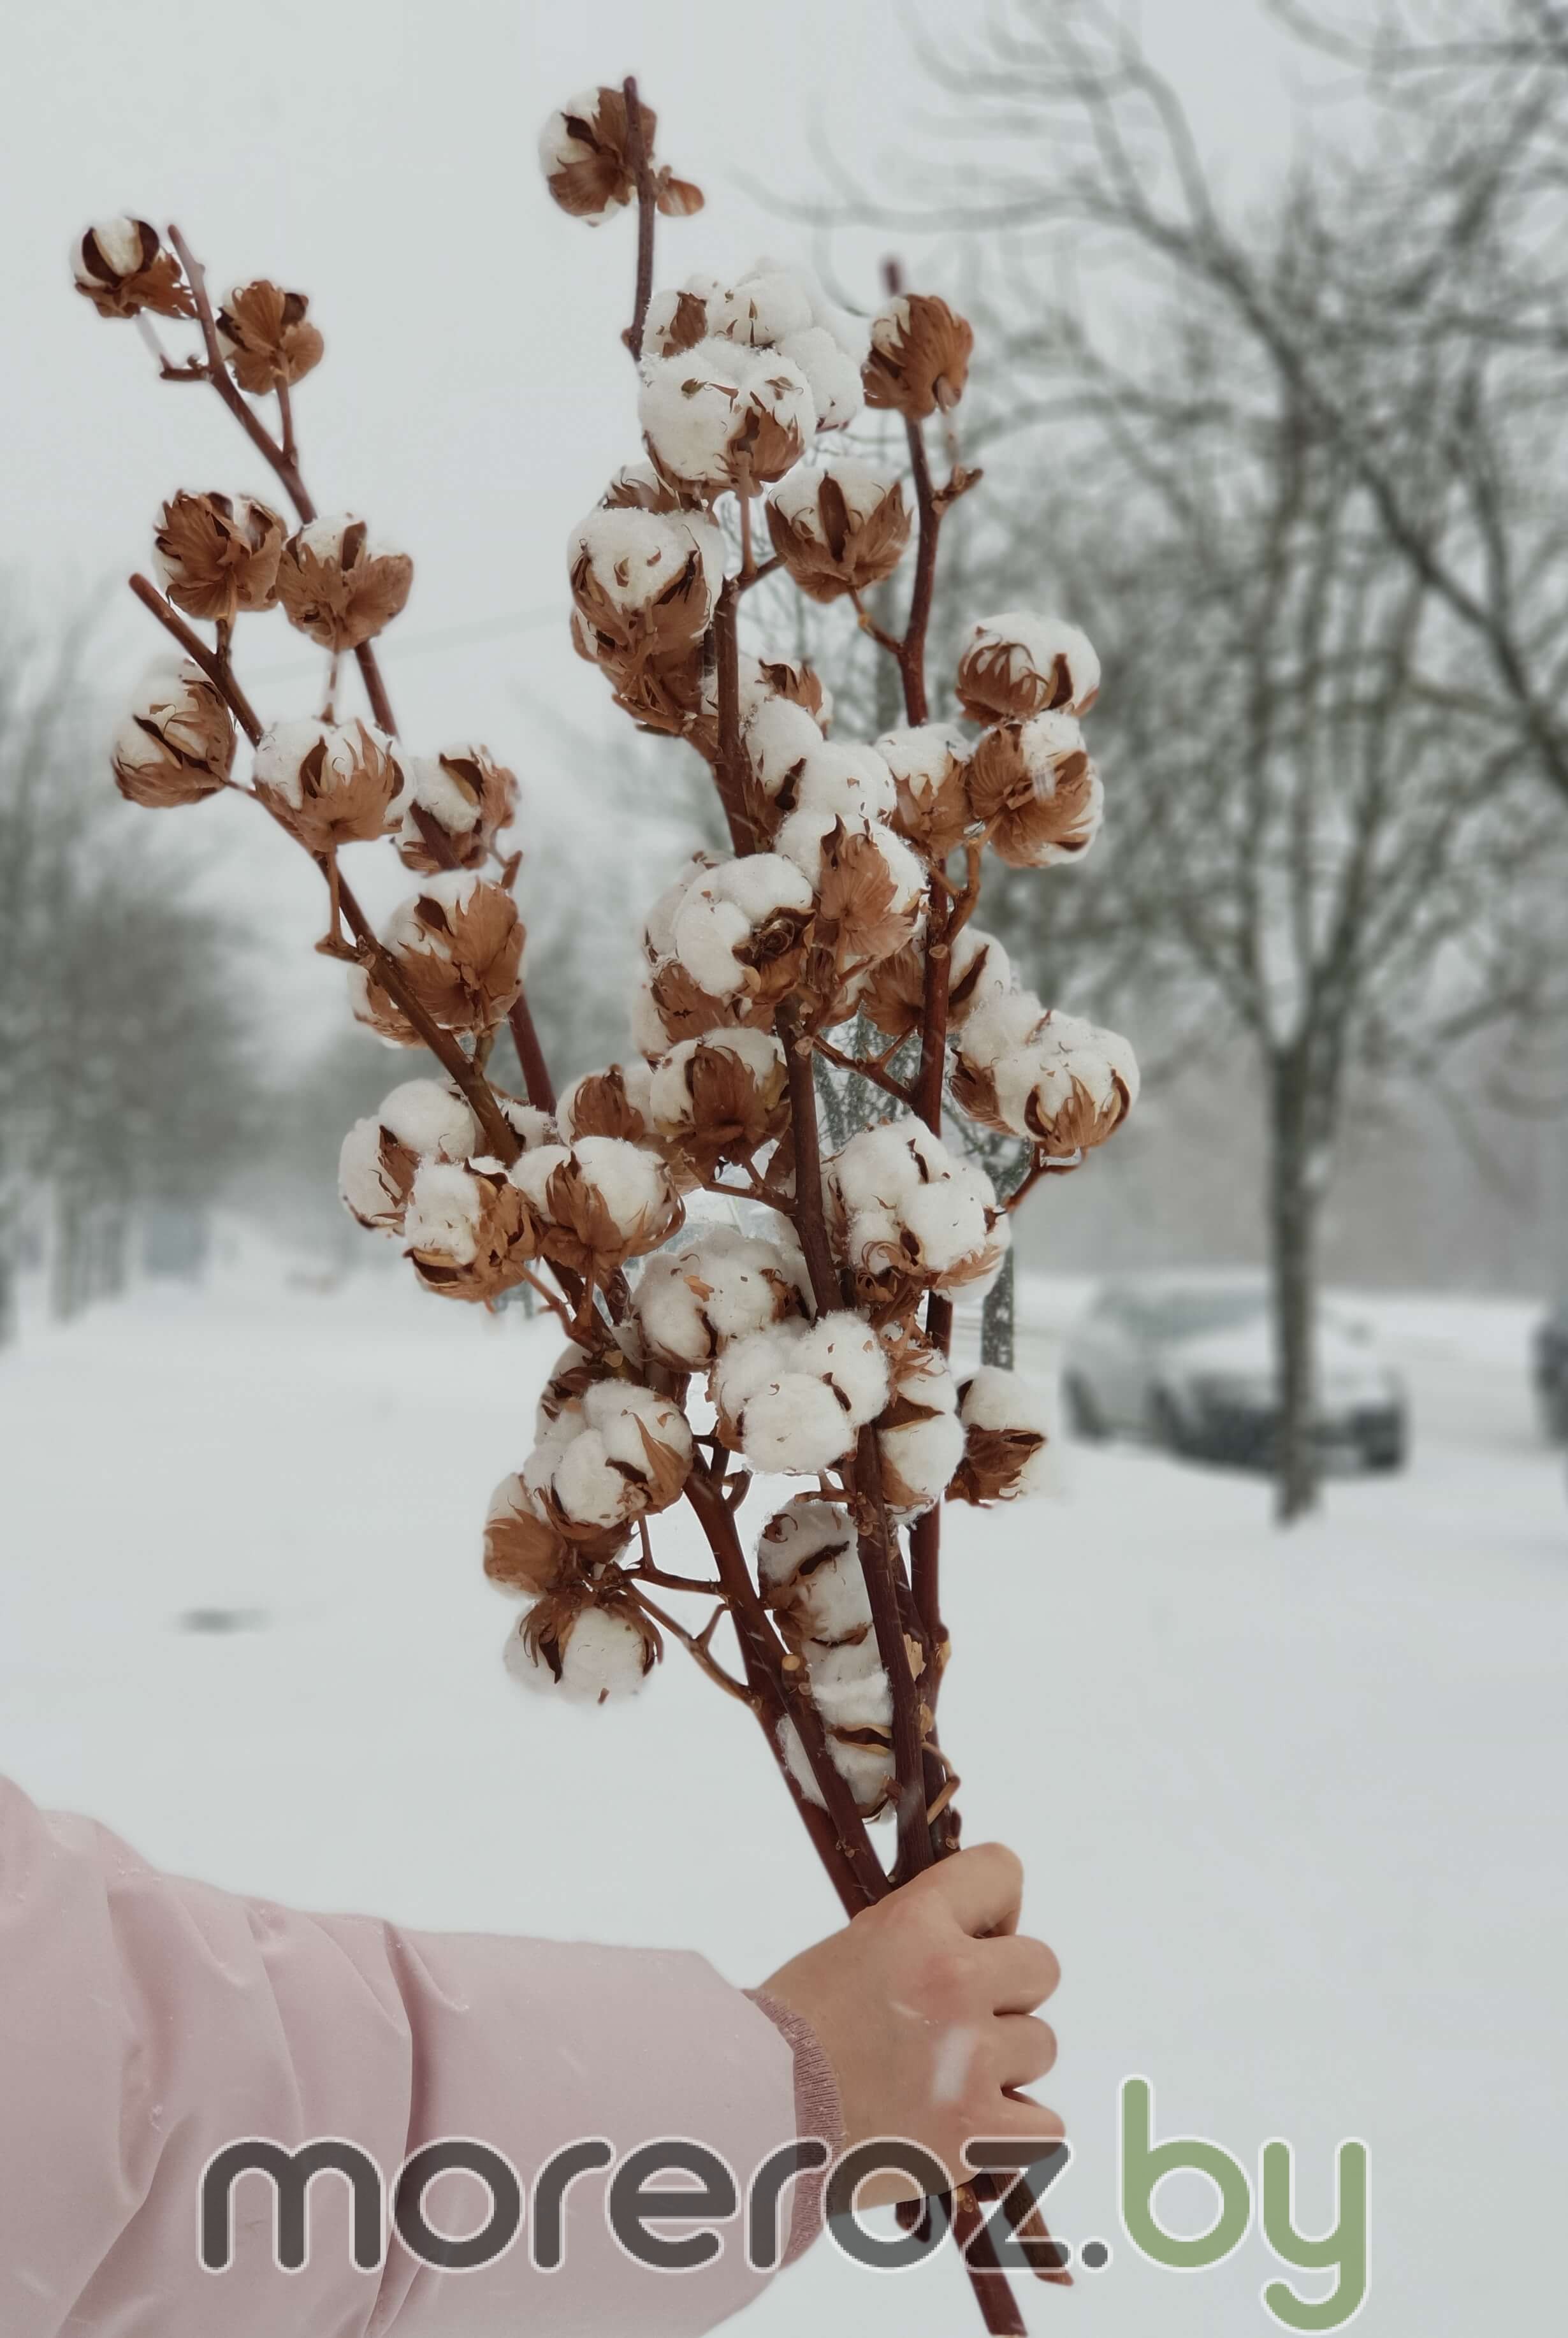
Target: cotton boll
(1002, 1025)
(444, 1211)
(602, 1654)
(806, 1529)
(837, 1667)
(866, 1771)
(778, 738)
(422, 1120)
(843, 1348)
(646, 579)
(599, 1202)
(881, 1166)
(862, 1699)
(1021, 663)
(832, 376)
(762, 310)
(721, 416)
(907, 1214)
(795, 1423)
(741, 927)
(1065, 1084)
(617, 1454)
(659, 924)
(690, 1304)
(850, 782)
(1006, 1452)
(980, 973)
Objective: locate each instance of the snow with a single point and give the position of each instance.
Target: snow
(634, 555)
(696, 408)
(1291, 1805)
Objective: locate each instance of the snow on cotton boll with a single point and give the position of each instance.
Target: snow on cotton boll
(1024, 1071)
(810, 1573)
(123, 266)
(930, 768)
(720, 417)
(1005, 1439)
(421, 1121)
(838, 530)
(328, 783)
(870, 888)
(217, 556)
(176, 742)
(742, 929)
(644, 582)
(776, 737)
(832, 375)
(620, 1455)
(584, 1643)
(600, 1201)
(1033, 786)
(906, 1216)
(793, 1398)
(467, 1231)
(458, 946)
(1021, 663)
(339, 584)
(452, 808)
(720, 1098)
(920, 1436)
(690, 1304)
(849, 782)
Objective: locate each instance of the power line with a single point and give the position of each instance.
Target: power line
(522, 621)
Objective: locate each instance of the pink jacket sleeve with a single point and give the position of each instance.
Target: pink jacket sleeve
(146, 2023)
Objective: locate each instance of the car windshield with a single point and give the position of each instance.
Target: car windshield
(1193, 1314)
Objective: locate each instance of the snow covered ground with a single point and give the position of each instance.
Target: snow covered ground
(1292, 1807)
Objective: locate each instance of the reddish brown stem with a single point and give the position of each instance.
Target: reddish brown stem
(647, 214)
(788, 1697)
(217, 669)
(729, 763)
(869, 1069)
(912, 655)
(874, 1548)
(810, 1221)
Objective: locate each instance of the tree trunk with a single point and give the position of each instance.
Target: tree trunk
(69, 1265)
(997, 1317)
(7, 1292)
(1292, 1243)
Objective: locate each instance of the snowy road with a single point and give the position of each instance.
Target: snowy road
(1293, 1808)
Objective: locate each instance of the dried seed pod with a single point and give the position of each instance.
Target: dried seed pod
(1035, 790)
(930, 768)
(614, 1101)
(920, 357)
(123, 266)
(458, 945)
(588, 1642)
(601, 1201)
(176, 742)
(793, 1398)
(723, 417)
(464, 795)
(691, 1302)
(522, 1550)
(870, 888)
(907, 1217)
(620, 1454)
(329, 783)
(468, 1230)
(1027, 1071)
(423, 1120)
(720, 1098)
(267, 336)
(218, 555)
(919, 1434)
(838, 530)
(1005, 1438)
(743, 928)
(339, 584)
(644, 582)
(1021, 663)
(586, 154)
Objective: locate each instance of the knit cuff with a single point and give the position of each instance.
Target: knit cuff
(818, 2113)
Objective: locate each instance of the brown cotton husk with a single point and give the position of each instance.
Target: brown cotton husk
(219, 555)
(342, 599)
(157, 281)
(730, 1113)
(687, 1011)
(835, 552)
(177, 744)
(995, 1459)
(919, 358)
(602, 178)
(582, 1233)
(467, 976)
(507, 1239)
(267, 336)
(893, 995)
(860, 915)
(333, 810)
(522, 1550)
(483, 782)
(1028, 827)
(602, 1107)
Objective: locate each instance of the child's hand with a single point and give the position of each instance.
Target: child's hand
(923, 2007)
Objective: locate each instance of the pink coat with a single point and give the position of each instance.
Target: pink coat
(146, 2023)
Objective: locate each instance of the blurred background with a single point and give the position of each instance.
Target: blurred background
(1269, 301)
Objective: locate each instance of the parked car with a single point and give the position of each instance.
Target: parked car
(1189, 1362)
(1552, 1370)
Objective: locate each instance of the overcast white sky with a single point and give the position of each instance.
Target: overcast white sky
(380, 154)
